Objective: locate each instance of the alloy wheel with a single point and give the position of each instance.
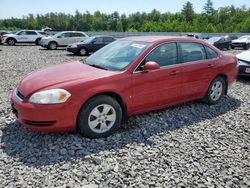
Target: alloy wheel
(102, 118)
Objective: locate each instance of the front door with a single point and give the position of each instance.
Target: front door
(161, 87)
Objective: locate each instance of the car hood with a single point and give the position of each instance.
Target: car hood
(47, 38)
(60, 74)
(9, 35)
(239, 40)
(245, 56)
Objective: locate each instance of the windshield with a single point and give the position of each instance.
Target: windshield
(214, 39)
(117, 55)
(58, 34)
(88, 40)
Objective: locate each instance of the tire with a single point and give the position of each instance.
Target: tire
(52, 45)
(11, 42)
(38, 41)
(232, 47)
(246, 46)
(93, 111)
(83, 52)
(215, 91)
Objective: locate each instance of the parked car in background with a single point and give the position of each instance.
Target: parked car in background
(23, 36)
(127, 77)
(243, 42)
(197, 36)
(62, 39)
(244, 63)
(92, 44)
(3, 33)
(223, 42)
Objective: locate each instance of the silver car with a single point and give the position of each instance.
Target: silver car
(62, 39)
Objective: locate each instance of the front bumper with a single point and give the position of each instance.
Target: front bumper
(45, 118)
(244, 70)
(72, 49)
(44, 43)
(239, 44)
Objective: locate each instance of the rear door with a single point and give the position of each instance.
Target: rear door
(158, 88)
(31, 36)
(197, 69)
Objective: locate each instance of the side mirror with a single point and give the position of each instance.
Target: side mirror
(59, 37)
(150, 65)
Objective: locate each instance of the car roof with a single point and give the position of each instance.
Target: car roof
(101, 36)
(152, 39)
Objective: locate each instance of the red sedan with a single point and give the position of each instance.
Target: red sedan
(127, 77)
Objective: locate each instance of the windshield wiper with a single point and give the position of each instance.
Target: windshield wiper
(97, 66)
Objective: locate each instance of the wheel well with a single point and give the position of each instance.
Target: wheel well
(54, 42)
(226, 80)
(38, 38)
(11, 38)
(119, 99)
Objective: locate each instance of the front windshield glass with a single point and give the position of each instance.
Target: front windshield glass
(58, 34)
(117, 55)
(88, 40)
(214, 39)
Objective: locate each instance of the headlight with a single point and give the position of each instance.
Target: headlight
(52, 96)
(73, 46)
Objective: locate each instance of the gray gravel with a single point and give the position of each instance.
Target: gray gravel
(190, 145)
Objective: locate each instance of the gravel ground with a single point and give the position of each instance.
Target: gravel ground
(190, 145)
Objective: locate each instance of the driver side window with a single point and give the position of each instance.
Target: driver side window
(164, 55)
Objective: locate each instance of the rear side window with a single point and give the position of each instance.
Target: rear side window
(192, 52)
(108, 39)
(31, 33)
(42, 33)
(211, 54)
(77, 35)
(164, 55)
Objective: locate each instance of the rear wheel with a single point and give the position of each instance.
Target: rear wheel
(215, 91)
(232, 47)
(11, 42)
(52, 45)
(100, 117)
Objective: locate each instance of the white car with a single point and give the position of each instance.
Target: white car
(23, 36)
(62, 39)
(243, 42)
(244, 63)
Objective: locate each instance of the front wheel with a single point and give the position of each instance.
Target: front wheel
(100, 117)
(52, 45)
(215, 91)
(11, 42)
(38, 41)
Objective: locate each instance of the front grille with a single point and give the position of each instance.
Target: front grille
(39, 123)
(20, 95)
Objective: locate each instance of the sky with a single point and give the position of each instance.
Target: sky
(20, 8)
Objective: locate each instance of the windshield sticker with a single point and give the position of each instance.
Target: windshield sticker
(138, 45)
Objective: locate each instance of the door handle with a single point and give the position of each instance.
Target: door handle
(174, 72)
(210, 65)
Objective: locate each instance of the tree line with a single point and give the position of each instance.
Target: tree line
(226, 19)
